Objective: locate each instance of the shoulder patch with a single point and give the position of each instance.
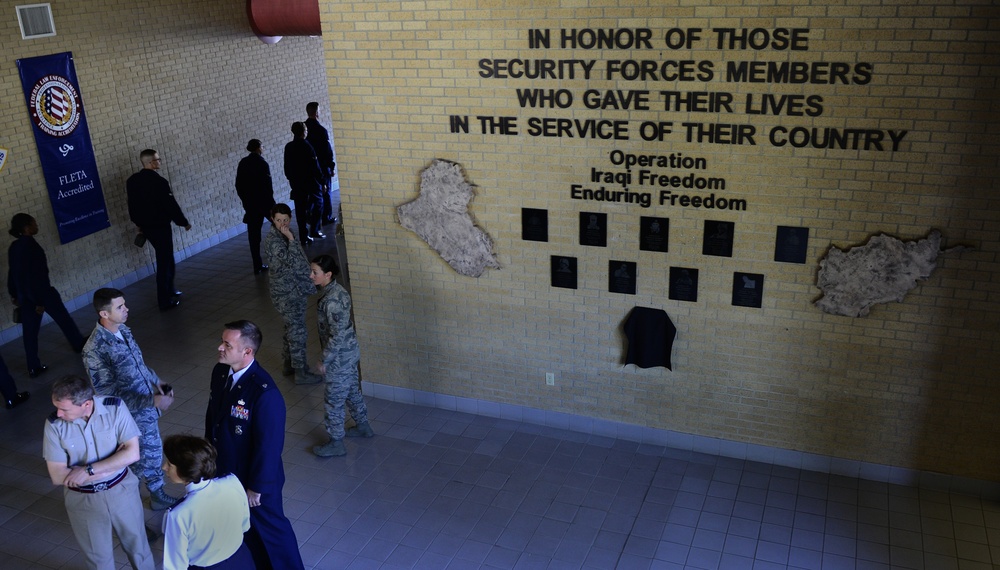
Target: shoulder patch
(111, 401)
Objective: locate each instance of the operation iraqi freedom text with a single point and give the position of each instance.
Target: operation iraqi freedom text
(645, 178)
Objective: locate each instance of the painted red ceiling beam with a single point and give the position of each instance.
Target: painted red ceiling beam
(284, 17)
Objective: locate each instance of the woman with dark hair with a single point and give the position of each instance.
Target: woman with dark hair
(30, 290)
(290, 289)
(341, 355)
(205, 529)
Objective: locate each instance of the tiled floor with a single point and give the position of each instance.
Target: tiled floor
(443, 489)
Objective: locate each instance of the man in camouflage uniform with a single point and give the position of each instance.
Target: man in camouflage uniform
(115, 365)
(290, 288)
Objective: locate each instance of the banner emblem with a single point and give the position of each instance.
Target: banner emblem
(55, 105)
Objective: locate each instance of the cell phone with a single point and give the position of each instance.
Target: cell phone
(166, 388)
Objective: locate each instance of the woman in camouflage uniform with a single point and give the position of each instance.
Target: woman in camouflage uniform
(290, 287)
(340, 359)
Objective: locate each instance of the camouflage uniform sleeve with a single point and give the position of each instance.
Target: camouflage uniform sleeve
(289, 272)
(271, 249)
(109, 378)
(336, 309)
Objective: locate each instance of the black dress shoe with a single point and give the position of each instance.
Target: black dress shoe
(307, 240)
(178, 293)
(173, 303)
(317, 235)
(36, 372)
(18, 399)
(260, 270)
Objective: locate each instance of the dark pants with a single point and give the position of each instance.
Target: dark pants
(7, 386)
(162, 240)
(254, 225)
(328, 214)
(307, 214)
(271, 539)
(31, 322)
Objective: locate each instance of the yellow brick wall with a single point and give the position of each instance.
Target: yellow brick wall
(911, 385)
(188, 79)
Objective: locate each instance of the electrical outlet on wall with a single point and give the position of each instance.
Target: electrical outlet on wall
(550, 378)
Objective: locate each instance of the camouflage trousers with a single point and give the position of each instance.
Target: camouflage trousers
(342, 389)
(149, 468)
(293, 314)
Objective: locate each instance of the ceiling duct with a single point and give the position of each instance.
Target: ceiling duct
(272, 19)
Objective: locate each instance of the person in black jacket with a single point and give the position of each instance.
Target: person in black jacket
(151, 207)
(253, 185)
(319, 138)
(304, 176)
(30, 289)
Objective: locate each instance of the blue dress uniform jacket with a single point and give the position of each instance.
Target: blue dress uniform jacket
(247, 428)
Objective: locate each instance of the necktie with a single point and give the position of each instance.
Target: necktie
(224, 396)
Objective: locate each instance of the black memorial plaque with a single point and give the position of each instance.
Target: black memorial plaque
(534, 224)
(718, 238)
(683, 284)
(748, 289)
(654, 234)
(622, 277)
(790, 244)
(564, 272)
(593, 229)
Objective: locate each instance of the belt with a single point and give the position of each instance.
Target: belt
(103, 485)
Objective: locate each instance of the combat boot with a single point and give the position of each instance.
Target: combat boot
(332, 448)
(360, 430)
(304, 376)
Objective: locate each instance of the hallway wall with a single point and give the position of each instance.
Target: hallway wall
(188, 79)
(910, 385)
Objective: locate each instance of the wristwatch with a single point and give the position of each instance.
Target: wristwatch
(90, 469)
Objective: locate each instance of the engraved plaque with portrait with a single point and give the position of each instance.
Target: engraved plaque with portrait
(654, 233)
(593, 229)
(718, 238)
(622, 277)
(683, 284)
(790, 244)
(534, 224)
(563, 272)
(748, 289)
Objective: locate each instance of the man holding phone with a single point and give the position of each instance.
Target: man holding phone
(115, 365)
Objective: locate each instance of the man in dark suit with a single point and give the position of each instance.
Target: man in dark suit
(304, 176)
(319, 138)
(151, 207)
(245, 421)
(253, 185)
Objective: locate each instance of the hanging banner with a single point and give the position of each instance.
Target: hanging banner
(64, 148)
